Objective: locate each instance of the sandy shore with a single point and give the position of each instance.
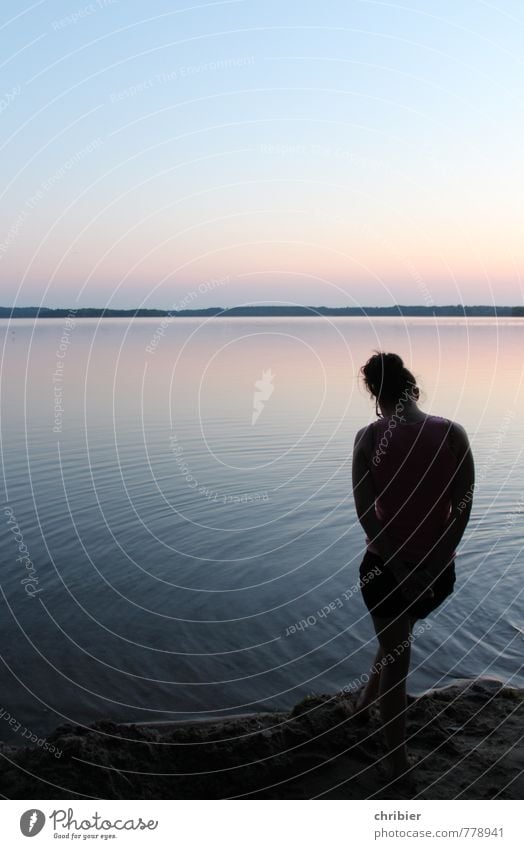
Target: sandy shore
(467, 739)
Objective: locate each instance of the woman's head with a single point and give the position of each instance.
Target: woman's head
(388, 380)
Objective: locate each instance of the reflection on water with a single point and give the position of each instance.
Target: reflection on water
(175, 545)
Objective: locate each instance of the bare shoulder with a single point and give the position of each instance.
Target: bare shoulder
(363, 434)
(459, 431)
(364, 440)
(458, 438)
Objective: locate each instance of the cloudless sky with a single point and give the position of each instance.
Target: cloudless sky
(157, 154)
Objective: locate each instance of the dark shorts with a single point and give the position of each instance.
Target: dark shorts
(383, 597)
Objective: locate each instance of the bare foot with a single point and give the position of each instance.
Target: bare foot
(400, 769)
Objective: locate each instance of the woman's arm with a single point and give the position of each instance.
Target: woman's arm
(461, 502)
(364, 495)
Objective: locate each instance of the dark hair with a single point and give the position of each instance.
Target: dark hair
(387, 379)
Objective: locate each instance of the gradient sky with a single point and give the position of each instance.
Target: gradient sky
(163, 154)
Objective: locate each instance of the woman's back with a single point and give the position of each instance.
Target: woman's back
(412, 466)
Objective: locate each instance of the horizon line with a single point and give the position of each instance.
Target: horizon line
(271, 305)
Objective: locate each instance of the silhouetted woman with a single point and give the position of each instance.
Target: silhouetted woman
(413, 479)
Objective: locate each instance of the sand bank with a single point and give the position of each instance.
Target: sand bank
(467, 739)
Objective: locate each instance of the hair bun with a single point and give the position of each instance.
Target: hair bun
(393, 362)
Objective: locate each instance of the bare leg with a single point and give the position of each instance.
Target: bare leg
(394, 638)
(369, 693)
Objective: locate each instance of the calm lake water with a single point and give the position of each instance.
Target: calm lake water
(174, 540)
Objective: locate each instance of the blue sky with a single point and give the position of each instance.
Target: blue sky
(325, 153)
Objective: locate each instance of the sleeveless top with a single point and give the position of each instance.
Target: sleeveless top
(412, 467)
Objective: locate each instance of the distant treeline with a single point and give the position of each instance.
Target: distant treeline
(270, 311)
